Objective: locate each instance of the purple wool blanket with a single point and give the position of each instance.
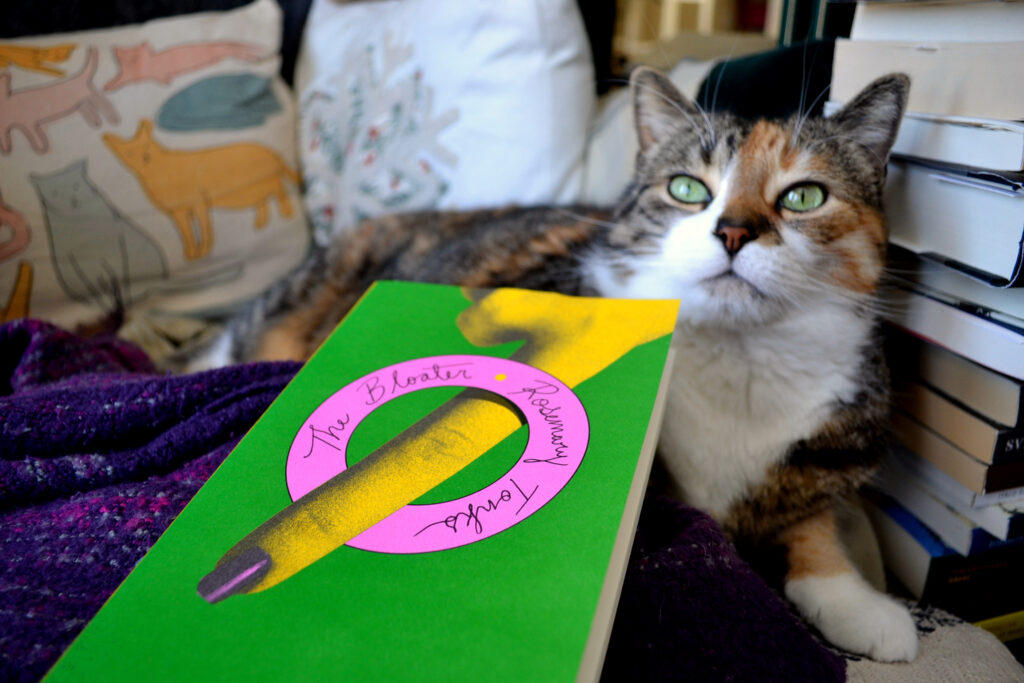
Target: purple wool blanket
(99, 451)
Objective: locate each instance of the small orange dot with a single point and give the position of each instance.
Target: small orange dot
(501, 378)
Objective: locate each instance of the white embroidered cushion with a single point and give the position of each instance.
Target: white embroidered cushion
(420, 104)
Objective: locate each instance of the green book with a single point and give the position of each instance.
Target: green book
(447, 491)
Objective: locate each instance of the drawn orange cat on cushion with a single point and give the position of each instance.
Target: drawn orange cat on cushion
(186, 183)
(38, 59)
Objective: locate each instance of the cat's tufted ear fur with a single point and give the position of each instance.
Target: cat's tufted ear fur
(873, 117)
(659, 109)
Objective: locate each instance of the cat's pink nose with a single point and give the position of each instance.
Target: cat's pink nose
(733, 237)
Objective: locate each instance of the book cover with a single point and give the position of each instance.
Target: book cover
(448, 489)
(988, 393)
(964, 220)
(949, 78)
(982, 439)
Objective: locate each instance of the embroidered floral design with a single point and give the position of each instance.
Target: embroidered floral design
(370, 138)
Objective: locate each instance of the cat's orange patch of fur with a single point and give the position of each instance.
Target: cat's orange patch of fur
(756, 162)
(856, 232)
(294, 337)
(813, 548)
(279, 343)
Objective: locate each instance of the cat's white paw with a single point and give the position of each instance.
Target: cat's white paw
(855, 617)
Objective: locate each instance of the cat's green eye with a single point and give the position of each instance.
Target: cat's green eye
(803, 197)
(688, 190)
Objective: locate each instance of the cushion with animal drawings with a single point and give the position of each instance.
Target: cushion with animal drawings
(416, 104)
(150, 166)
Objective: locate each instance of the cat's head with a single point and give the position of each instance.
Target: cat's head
(67, 192)
(131, 61)
(137, 152)
(59, 53)
(746, 220)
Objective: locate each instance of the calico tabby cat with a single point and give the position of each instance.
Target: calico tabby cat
(771, 235)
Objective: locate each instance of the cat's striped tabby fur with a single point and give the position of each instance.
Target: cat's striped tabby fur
(771, 234)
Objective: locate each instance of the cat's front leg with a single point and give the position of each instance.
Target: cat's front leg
(90, 113)
(37, 138)
(284, 203)
(830, 594)
(201, 212)
(182, 217)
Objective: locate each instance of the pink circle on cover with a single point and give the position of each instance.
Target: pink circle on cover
(559, 433)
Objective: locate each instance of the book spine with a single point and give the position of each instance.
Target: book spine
(1009, 446)
(979, 586)
(980, 438)
(1002, 520)
(1004, 477)
(1015, 525)
(978, 476)
(908, 548)
(982, 541)
(943, 516)
(974, 587)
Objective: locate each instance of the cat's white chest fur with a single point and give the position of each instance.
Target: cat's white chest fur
(739, 400)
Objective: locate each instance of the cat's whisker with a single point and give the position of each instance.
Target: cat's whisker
(708, 123)
(718, 83)
(804, 111)
(804, 80)
(872, 305)
(892, 270)
(804, 286)
(803, 118)
(583, 218)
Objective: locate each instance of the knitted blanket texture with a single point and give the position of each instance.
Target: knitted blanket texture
(99, 452)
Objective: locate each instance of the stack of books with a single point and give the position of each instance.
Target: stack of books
(949, 505)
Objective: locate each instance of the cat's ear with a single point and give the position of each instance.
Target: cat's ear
(60, 53)
(872, 118)
(659, 109)
(145, 129)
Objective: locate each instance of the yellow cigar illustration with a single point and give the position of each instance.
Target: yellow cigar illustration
(570, 338)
